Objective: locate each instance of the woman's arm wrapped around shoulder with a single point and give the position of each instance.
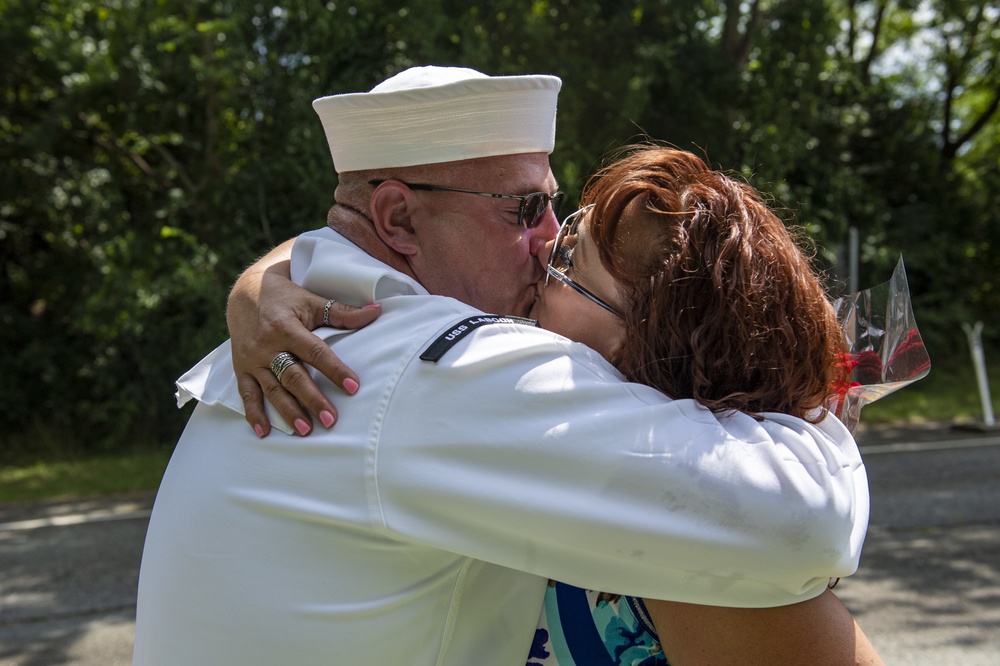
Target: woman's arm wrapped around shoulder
(268, 314)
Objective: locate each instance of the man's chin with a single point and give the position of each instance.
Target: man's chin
(528, 306)
(535, 307)
(519, 307)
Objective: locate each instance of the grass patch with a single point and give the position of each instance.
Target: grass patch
(103, 475)
(948, 393)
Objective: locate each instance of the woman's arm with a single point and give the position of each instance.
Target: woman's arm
(819, 632)
(268, 314)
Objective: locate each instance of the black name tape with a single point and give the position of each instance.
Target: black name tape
(454, 335)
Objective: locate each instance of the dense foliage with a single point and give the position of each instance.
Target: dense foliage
(149, 149)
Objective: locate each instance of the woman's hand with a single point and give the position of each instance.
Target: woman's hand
(268, 314)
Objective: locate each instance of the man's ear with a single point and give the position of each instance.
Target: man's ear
(391, 206)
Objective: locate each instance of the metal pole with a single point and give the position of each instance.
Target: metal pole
(853, 261)
(975, 335)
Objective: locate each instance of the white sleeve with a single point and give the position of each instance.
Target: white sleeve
(521, 449)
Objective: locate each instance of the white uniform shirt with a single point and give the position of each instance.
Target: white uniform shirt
(422, 527)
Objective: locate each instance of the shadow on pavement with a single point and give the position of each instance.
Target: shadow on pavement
(66, 595)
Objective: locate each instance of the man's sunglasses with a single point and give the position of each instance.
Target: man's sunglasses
(531, 207)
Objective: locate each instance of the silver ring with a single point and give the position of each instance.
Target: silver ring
(282, 362)
(326, 312)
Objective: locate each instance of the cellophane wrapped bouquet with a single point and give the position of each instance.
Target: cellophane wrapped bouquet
(885, 351)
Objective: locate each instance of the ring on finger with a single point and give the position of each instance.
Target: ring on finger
(282, 362)
(326, 312)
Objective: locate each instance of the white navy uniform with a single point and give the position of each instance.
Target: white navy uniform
(423, 527)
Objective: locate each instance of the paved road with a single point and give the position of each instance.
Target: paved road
(928, 588)
(67, 588)
(928, 591)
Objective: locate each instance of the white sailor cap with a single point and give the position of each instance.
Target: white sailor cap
(427, 115)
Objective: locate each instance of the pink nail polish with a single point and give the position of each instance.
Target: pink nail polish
(350, 386)
(327, 418)
(371, 305)
(259, 430)
(302, 427)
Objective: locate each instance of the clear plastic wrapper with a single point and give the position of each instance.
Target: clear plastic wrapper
(885, 350)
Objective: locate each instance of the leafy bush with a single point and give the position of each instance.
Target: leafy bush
(149, 151)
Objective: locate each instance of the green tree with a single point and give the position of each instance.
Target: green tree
(150, 150)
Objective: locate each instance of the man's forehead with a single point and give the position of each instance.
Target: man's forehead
(545, 183)
(517, 174)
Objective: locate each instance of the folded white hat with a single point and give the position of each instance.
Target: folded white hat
(427, 115)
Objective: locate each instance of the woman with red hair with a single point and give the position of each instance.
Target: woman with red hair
(715, 299)
(685, 280)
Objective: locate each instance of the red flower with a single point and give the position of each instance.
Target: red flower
(868, 368)
(909, 359)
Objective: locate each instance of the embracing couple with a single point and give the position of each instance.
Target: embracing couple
(629, 403)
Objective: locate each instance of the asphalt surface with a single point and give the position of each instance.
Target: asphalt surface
(927, 592)
(68, 581)
(928, 587)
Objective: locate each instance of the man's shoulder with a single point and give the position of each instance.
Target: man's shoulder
(454, 335)
(465, 327)
(442, 324)
(326, 263)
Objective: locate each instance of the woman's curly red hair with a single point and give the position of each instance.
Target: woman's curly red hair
(725, 306)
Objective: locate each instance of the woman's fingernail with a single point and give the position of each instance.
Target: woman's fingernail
(350, 386)
(327, 418)
(302, 427)
(371, 305)
(259, 430)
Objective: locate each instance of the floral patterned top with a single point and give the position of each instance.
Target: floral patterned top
(587, 628)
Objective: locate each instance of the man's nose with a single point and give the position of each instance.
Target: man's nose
(542, 234)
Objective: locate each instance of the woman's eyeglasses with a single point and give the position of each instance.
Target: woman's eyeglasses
(560, 259)
(531, 208)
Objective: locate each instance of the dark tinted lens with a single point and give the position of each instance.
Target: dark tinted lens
(534, 208)
(556, 200)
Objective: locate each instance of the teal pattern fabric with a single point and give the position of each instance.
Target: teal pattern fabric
(588, 628)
